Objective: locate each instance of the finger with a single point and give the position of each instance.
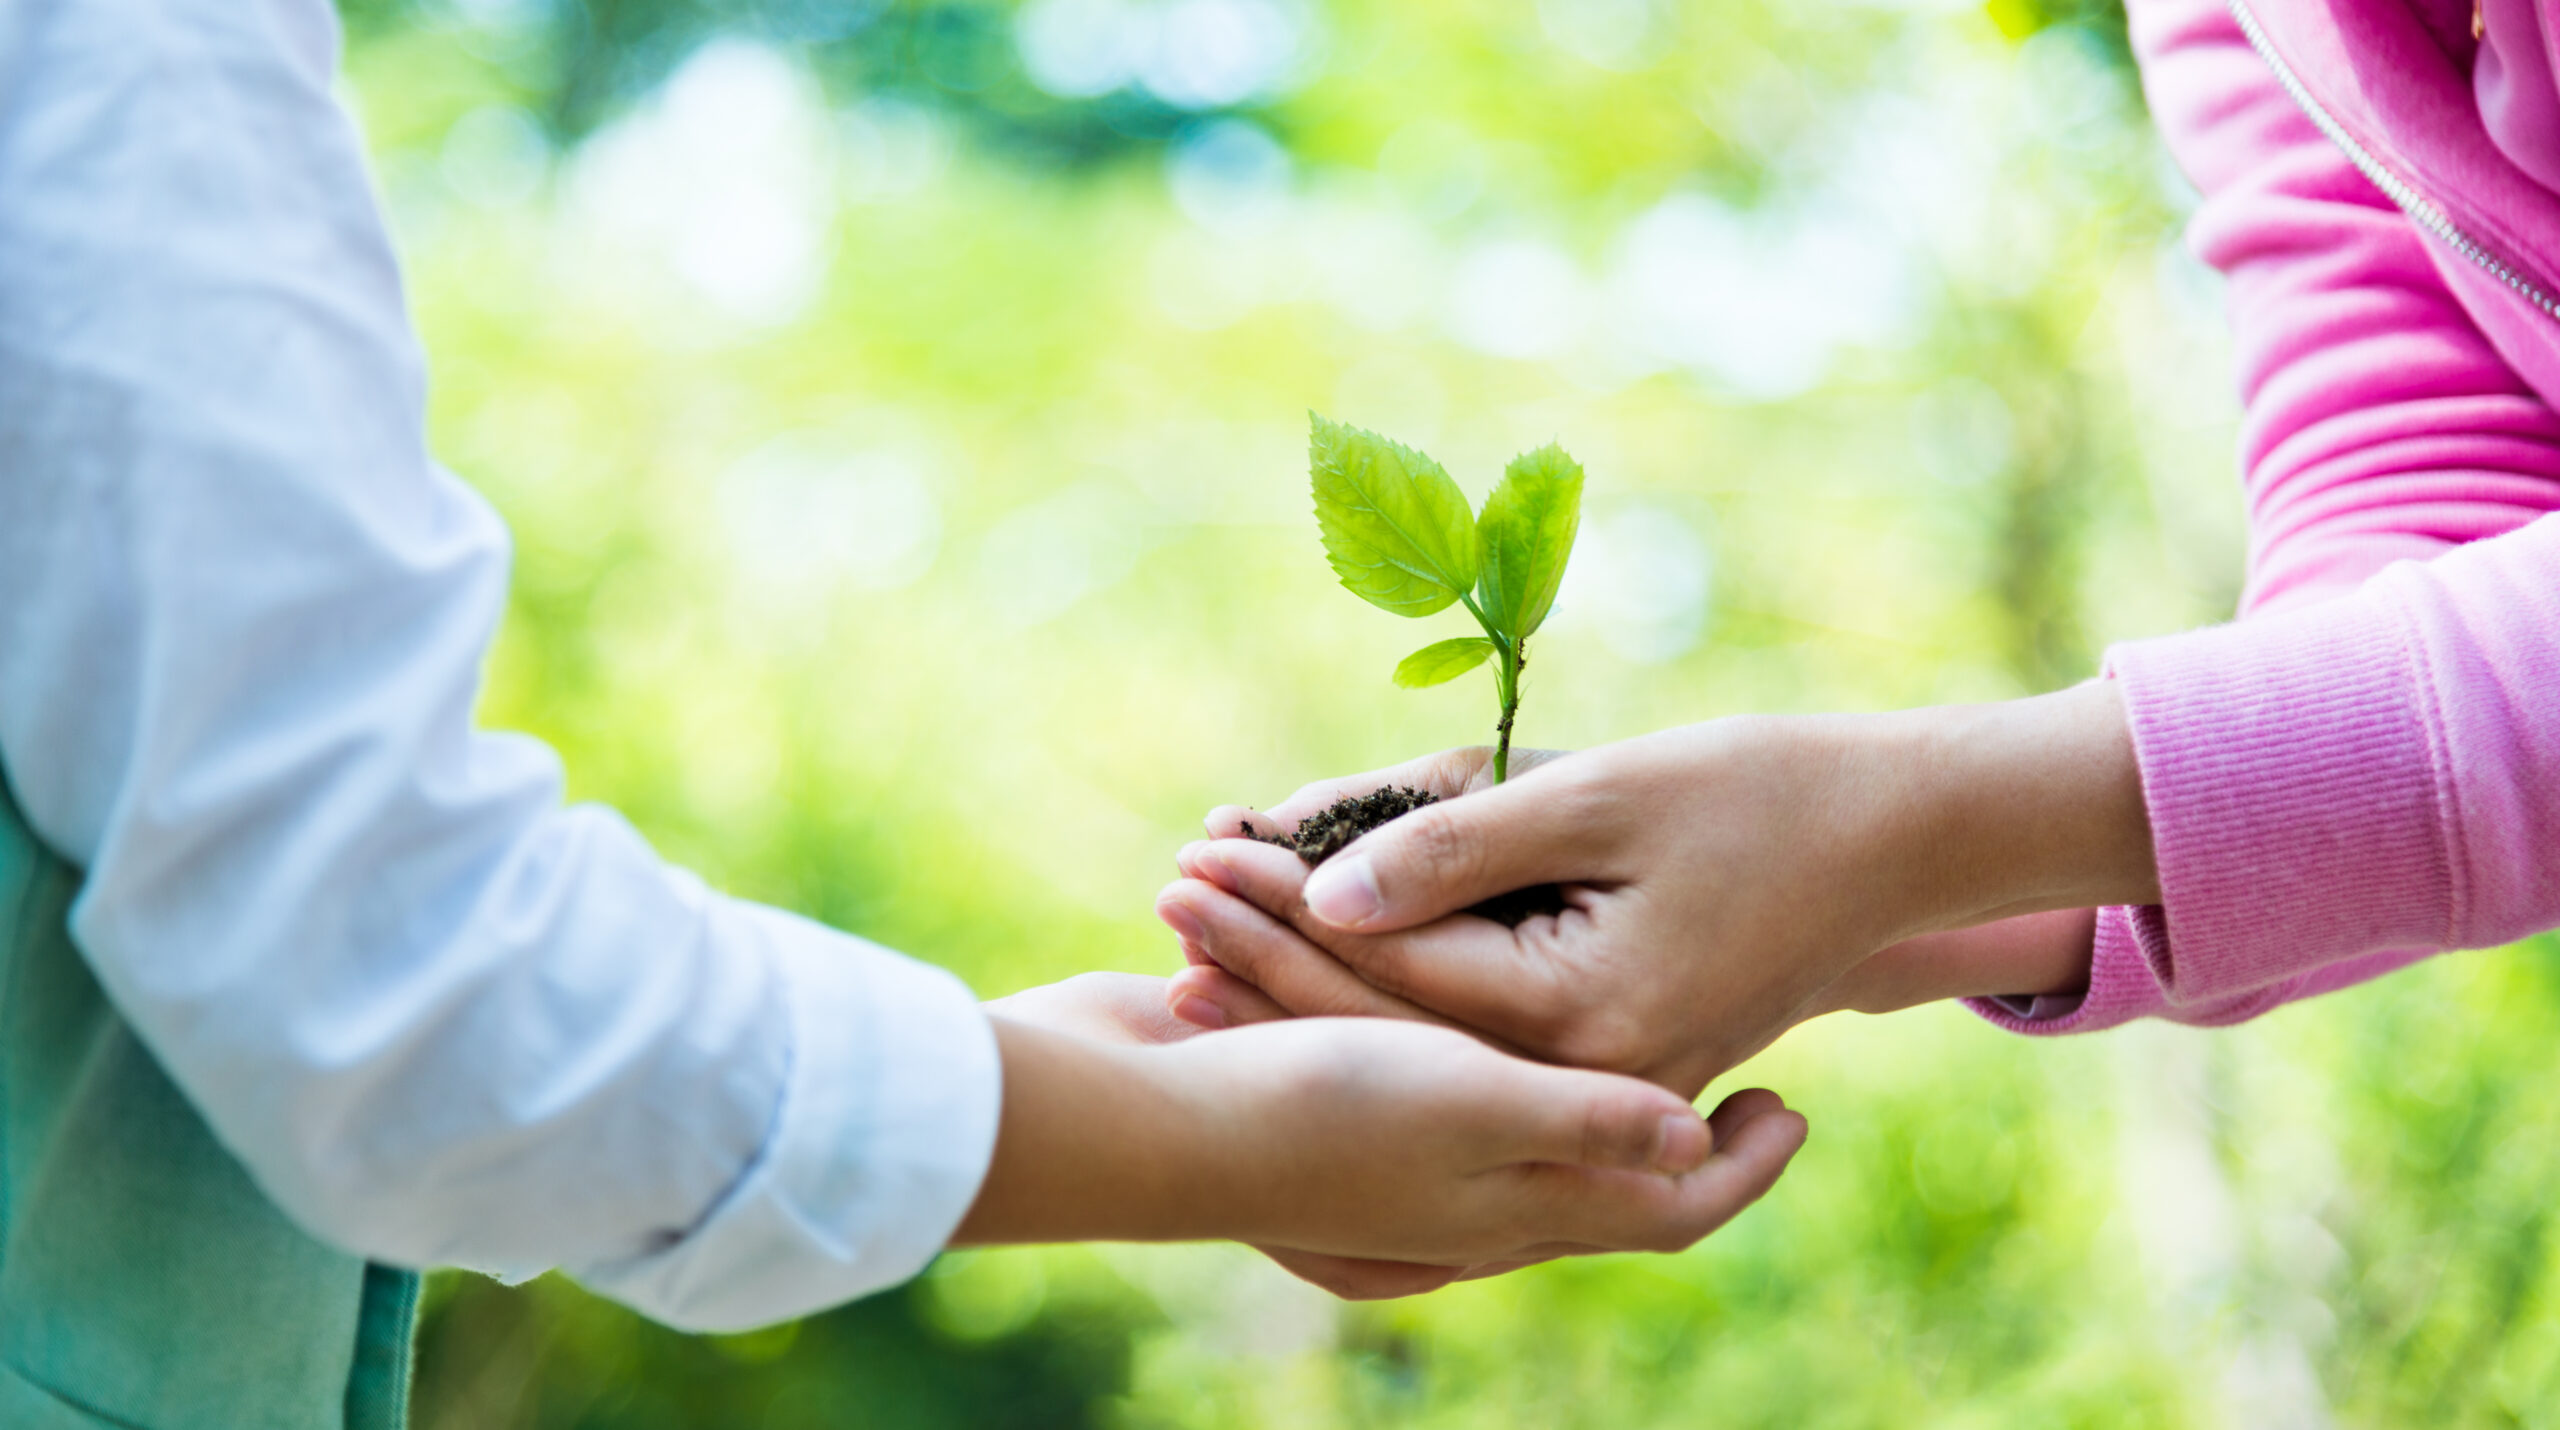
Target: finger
(1531, 1256)
(1356, 1278)
(1199, 860)
(1112, 1007)
(1445, 775)
(1137, 1005)
(1534, 829)
(1740, 1108)
(1208, 998)
(1260, 950)
(1470, 970)
(1742, 1171)
(1624, 1209)
(1263, 874)
(1590, 1119)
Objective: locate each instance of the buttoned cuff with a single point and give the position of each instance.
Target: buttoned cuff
(886, 1125)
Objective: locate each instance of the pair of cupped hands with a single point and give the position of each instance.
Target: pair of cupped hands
(1402, 1094)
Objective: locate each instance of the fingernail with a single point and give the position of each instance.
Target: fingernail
(1184, 923)
(1207, 867)
(1344, 891)
(1674, 1147)
(1200, 1013)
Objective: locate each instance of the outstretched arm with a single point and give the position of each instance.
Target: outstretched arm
(440, 1017)
(2318, 784)
(1722, 882)
(2289, 804)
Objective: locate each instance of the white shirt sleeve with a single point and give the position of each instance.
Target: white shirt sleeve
(441, 1018)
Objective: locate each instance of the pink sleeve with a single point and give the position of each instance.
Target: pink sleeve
(2358, 773)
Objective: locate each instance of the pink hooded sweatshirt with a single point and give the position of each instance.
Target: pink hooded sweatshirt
(2365, 768)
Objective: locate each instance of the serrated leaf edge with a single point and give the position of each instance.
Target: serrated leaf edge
(1493, 609)
(1344, 563)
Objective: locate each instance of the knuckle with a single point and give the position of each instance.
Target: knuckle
(1380, 966)
(1604, 1134)
(1585, 794)
(1457, 771)
(1443, 847)
(1239, 956)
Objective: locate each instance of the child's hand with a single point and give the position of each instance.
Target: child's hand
(1335, 1143)
(1132, 1009)
(1723, 881)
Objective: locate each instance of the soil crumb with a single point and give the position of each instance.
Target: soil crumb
(1323, 835)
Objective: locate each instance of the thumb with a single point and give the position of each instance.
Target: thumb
(1459, 852)
(1592, 1119)
(1445, 775)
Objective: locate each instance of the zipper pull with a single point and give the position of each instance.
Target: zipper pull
(2479, 22)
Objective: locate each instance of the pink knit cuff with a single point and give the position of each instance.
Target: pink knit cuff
(2297, 812)
(2297, 803)
(2127, 973)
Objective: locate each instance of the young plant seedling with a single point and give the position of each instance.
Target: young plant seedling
(1401, 536)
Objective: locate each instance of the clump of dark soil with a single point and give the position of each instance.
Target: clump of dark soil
(1323, 835)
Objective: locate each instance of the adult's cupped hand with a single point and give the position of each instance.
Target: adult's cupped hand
(1721, 882)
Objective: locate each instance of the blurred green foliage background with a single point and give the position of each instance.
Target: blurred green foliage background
(899, 405)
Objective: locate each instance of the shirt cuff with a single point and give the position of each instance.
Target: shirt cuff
(883, 1135)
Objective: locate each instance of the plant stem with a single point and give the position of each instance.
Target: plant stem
(1506, 679)
(1507, 682)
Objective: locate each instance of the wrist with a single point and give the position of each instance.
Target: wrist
(1096, 1142)
(2026, 806)
(2032, 955)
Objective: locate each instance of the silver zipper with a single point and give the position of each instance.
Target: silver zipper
(2421, 210)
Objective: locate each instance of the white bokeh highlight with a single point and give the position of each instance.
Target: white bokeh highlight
(1191, 54)
(726, 178)
(1641, 580)
(811, 515)
(1041, 559)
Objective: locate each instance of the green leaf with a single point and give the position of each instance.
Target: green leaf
(1396, 529)
(1442, 662)
(1527, 531)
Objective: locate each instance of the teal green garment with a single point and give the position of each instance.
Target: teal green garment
(145, 1281)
